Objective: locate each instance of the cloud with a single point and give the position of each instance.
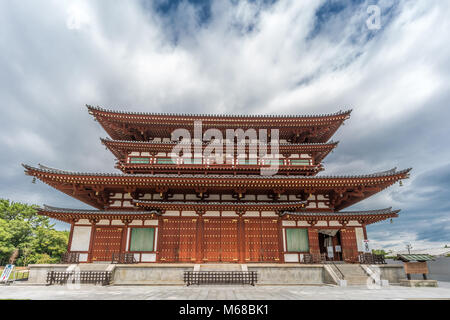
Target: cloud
(288, 57)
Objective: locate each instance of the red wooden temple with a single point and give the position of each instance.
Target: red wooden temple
(200, 211)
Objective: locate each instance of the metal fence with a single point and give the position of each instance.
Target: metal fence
(220, 277)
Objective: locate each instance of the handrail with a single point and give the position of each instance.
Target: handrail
(334, 264)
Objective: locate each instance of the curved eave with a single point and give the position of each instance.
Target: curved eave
(340, 115)
(363, 217)
(74, 215)
(44, 171)
(120, 148)
(143, 126)
(94, 188)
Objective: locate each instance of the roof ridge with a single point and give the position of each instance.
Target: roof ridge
(97, 108)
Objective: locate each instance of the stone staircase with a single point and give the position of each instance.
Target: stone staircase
(354, 274)
(220, 267)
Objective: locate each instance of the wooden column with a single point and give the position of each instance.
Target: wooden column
(69, 244)
(91, 241)
(123, 246)
(160, 232)
(199, 240)
(241, 239)
(280, 240)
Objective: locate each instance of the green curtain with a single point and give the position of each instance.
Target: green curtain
(297, 240)
(142, 239)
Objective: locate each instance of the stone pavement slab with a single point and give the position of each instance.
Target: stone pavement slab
(231, 292)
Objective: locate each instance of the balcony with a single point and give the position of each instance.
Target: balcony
(140, 164)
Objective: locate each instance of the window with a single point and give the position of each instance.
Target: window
(297, 240)
(298, 162)
(248, 162)
(192, 160)
(273, 161)
(142, 239)
(139, 160)
(165, 161)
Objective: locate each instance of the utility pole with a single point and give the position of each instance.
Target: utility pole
(409, 247)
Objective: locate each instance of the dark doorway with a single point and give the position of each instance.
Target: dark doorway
(330, 244)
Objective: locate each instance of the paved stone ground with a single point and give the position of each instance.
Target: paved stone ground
(221, 292)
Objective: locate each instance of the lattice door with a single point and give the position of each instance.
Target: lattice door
(211, 239)
(229, 240)
(107, 241)
(253, 238)
(269, 240)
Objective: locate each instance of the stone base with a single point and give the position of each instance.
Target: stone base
(419, 283)
(172, 274)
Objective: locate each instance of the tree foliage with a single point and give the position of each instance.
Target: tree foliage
(33, 235)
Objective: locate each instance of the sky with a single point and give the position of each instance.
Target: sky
(235, 57)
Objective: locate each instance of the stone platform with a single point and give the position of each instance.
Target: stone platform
(419, 283)
(172, 274)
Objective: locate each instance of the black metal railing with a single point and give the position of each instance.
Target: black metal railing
(123, 258)
(83, 277)
(220, 277)
(370, 258)
(70, 257)
(312, 258)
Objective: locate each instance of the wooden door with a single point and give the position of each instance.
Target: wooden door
(252, 236)
(229, 251)
(261, 240)
(270, 240)
(107, 240)
(178, 240)
(349, 245)
(188, 237)
(211, 239)
(220, 240)
(313, 239)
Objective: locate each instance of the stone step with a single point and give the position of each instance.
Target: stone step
(93, 266)
(221, 267)
(357, 280)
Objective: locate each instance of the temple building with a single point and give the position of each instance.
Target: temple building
(199, 210)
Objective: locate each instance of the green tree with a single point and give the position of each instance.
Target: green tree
(35, 237)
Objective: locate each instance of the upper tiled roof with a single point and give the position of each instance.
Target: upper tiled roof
(232, 116)
(108, 140)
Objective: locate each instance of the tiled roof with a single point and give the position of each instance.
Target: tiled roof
(414, 257)
(230, 177)
(106, 140)
(232, 116)
(346, 213)
(84, 211)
